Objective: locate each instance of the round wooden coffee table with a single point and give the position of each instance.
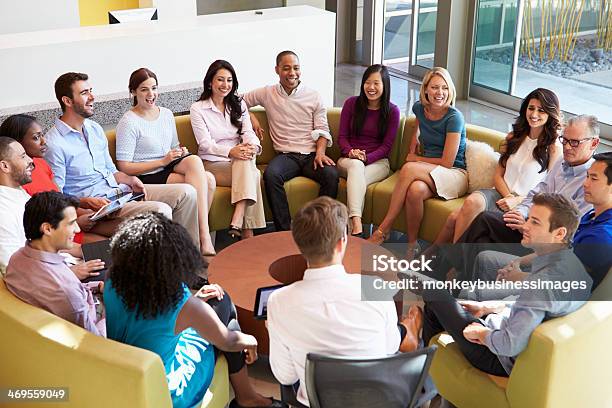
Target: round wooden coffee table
(266, 260)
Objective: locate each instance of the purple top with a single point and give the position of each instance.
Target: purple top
(376, 148)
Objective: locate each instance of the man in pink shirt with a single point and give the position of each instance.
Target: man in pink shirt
(37, 273)
(300, 134)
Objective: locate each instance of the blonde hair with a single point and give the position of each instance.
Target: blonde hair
(445, 75)
(317, 228)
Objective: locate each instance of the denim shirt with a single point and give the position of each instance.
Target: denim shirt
(81, 163)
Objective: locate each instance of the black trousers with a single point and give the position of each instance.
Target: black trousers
(286, 166)
(488, 231)
(226, 311)
(443, 313)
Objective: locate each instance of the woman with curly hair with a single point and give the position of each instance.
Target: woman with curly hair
(148, 305)
(527, 154)
(228, 145)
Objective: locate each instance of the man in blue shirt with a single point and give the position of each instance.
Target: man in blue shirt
(593, 239)
(82, 166)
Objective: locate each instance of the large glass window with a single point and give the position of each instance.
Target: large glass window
(563, 48)
(563, 45)
(493, 57)
(398, 33)
(426, 33)
(397, 37)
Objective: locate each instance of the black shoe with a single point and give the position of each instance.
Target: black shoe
(358, 235)
(234, 232)
(275, 404)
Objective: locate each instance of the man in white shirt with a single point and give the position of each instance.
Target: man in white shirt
(324, 313)
(15, 171)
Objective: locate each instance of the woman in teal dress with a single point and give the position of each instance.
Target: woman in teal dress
(148, 305)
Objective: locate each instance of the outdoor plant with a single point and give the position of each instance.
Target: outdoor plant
(559, 24)
(604, 26)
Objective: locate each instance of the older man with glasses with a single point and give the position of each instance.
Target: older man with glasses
(580, 140)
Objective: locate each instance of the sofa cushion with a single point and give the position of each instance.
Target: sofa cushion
(185, 133)
(481, 161)
(486, 135)
(460, 382)
(41, 349)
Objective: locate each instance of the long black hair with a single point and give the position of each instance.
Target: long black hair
(152, 258)
(232, 100)
(361, 104)
(521, 128)
(16, 126)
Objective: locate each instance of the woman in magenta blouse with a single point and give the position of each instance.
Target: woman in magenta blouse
(368, 126)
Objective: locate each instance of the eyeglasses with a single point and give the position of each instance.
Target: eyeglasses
(573, 142)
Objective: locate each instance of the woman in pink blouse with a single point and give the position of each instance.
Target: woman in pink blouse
(228, 145)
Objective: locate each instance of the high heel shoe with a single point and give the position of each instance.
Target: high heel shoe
(377, 237)
(234, 232)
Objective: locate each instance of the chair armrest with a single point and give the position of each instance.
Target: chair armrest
(567, 361)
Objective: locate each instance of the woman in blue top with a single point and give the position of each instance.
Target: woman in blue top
(149, 305)
(435, 163)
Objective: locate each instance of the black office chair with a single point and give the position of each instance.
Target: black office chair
(392, 381)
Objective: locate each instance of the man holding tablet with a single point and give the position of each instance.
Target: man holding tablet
(82, 166)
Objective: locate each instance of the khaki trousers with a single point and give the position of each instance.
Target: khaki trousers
(177, 202)
(358, 177)
(245, 181)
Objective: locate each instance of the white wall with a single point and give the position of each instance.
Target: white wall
(179, 51)
(17, 16)
(167, 9)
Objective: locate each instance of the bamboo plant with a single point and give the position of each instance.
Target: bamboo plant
(559, 23)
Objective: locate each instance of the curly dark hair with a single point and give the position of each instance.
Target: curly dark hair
(232, 100)
(152, 257)
(521, 128)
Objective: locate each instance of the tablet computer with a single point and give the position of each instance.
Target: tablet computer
(115, 205)
(97, 250)
(260, 312)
